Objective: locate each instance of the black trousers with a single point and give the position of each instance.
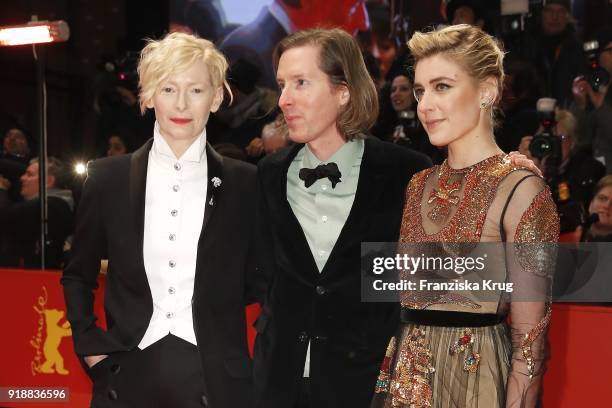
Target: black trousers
(167, 374)
(303, 400)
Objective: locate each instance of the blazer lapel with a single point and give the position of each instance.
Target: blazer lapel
(138, 188)
(289, 222)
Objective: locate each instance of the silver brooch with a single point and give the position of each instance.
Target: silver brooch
(216, 181)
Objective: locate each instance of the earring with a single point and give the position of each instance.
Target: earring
(483, 105)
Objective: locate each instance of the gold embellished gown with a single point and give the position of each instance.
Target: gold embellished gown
(452, 348)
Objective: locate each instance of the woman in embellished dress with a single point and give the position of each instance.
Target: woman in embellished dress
(454, 348)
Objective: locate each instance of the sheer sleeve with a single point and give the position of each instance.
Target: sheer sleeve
(531, 229)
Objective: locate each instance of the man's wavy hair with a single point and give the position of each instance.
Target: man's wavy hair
(341, 60)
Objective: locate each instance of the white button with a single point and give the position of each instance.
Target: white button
(174, 213)
(176, 187)
(171, 290)
(324, 218)
(172, 237)
(177, 166)
(172, 264)
(169, 315)
(323, 187)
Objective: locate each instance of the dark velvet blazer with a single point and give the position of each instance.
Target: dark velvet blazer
(348, 338)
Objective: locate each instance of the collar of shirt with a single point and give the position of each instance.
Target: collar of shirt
(345, 157)
(196, 153)
(281, 16)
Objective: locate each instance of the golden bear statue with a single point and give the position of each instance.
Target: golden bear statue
(55, 333)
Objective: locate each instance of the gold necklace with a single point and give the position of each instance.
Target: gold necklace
(444, 196)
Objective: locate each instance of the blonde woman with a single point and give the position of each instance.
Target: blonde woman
(174, 224)
(454, 349)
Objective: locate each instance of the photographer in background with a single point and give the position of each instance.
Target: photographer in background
(577, 172)
(518, 103)
(593, 107)
(556, 51)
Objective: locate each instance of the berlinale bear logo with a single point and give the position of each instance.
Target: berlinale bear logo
(48, 359)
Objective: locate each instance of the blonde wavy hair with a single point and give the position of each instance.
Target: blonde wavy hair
(174, 53)
(478, 53)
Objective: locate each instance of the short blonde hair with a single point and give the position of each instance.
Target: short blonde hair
(341, 60)
(567, 119)
(176, 52)
(480, 54)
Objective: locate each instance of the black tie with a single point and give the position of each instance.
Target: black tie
(329, 170)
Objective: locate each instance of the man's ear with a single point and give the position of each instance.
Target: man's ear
(217, 99)
(51, 181)
(344, 95)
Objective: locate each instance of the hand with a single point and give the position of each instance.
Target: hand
(522, 160)
(580, 91)
(255, 148)
(93, 360)
(5, 183)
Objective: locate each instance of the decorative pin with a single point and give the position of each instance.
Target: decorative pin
(211, 201)
(216, 182)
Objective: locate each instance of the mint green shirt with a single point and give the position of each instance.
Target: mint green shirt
(321, 209)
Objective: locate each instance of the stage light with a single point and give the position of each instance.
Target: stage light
(37, 32)
(33, 33)
(80, 168)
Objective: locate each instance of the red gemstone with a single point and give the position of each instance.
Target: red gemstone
(385, 364)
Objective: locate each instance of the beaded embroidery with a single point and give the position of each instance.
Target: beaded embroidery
(538, 226)
(465, 344)
(382, 383)
(444, 196)
(465, 226)
(411, 383)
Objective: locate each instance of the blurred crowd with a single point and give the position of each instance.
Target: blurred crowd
(572, 143)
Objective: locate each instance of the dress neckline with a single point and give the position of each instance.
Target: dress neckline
(472, 166)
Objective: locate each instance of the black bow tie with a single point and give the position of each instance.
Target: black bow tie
(329, 170)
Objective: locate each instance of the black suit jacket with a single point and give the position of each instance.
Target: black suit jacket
(110, 223)
(348, 338)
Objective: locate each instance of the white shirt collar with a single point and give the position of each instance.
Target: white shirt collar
(195, 153)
